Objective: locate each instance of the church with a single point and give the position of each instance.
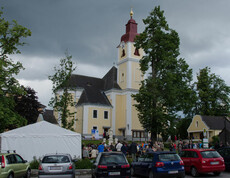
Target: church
(107, 103)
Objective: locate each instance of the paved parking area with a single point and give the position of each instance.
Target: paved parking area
(222, 175)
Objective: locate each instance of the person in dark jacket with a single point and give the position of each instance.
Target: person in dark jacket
(133, 150)
(124, 149)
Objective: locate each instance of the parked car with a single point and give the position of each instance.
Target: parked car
(111, 164)
(13, 166)
(158, 164)
(225, 153)
(198, 161)
(56, 165)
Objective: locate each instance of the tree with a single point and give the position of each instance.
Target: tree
(27, 105)
(64, 100)
(213, 94)
(182, 126)
(10, 39)
(167, 88)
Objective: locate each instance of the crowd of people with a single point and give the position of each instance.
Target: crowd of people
(133, 149)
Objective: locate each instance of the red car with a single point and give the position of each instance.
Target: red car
(202, 161)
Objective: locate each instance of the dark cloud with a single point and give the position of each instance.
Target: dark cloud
(91, 30)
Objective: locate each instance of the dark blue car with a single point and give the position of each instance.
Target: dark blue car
(225, 153)
(158, 164)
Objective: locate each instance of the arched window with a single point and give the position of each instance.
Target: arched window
(136, 52)
(123, 53)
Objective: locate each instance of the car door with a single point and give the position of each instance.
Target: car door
(21, 165)
(194, 160)
(148, 162)
(12, 164)
(185, 156)
(138, 164)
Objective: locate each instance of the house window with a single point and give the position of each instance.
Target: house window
(196, 123)
(94, 113)
(106, 115)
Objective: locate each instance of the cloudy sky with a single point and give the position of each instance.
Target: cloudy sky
(91, 30)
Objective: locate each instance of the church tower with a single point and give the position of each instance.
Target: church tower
(129, 79)
(129, 74)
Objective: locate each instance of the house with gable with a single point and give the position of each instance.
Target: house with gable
(107, 103)
(208, 126)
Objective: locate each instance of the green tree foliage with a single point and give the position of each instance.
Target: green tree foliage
(63, 100)
(10, 39)
(213, 94)
(167, 89)
(27, 105)
(182, 126)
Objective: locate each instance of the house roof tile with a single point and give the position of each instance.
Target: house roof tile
(216, 122)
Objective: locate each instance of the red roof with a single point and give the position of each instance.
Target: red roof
(131, 31)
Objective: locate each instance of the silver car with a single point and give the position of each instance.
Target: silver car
(56, 165)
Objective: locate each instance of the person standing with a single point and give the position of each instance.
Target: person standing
(133, 150)
(190, 144)
(119, 145)
(179, 146)
(124, 149)
(101, 148)
(94, 153)
(85, 152)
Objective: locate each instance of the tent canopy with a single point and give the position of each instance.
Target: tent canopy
(36, 140)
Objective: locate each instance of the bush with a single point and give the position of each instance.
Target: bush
(167, 145)
(34, 164)
(83, 164)
(215, 140)
(130, 160)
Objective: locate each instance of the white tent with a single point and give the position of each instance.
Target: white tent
(41, 138)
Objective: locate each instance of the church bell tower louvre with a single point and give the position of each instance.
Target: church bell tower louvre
(129, 74)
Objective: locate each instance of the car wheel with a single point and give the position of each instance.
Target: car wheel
(194, 172)
(132, 171)
(216, 173)
(150, 174)
(28, 174)
(11, 175)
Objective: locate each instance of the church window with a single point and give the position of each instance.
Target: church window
(94, 113)
(134, 134)
(136, 52)
(106, 115)
(123, 53)
(138, 134)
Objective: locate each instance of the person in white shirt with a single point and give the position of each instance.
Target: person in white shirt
(119, 145)
(94, 153)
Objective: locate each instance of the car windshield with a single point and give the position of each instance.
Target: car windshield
(169, 157)
(112, 159)
(210, 154)
(56, 159)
